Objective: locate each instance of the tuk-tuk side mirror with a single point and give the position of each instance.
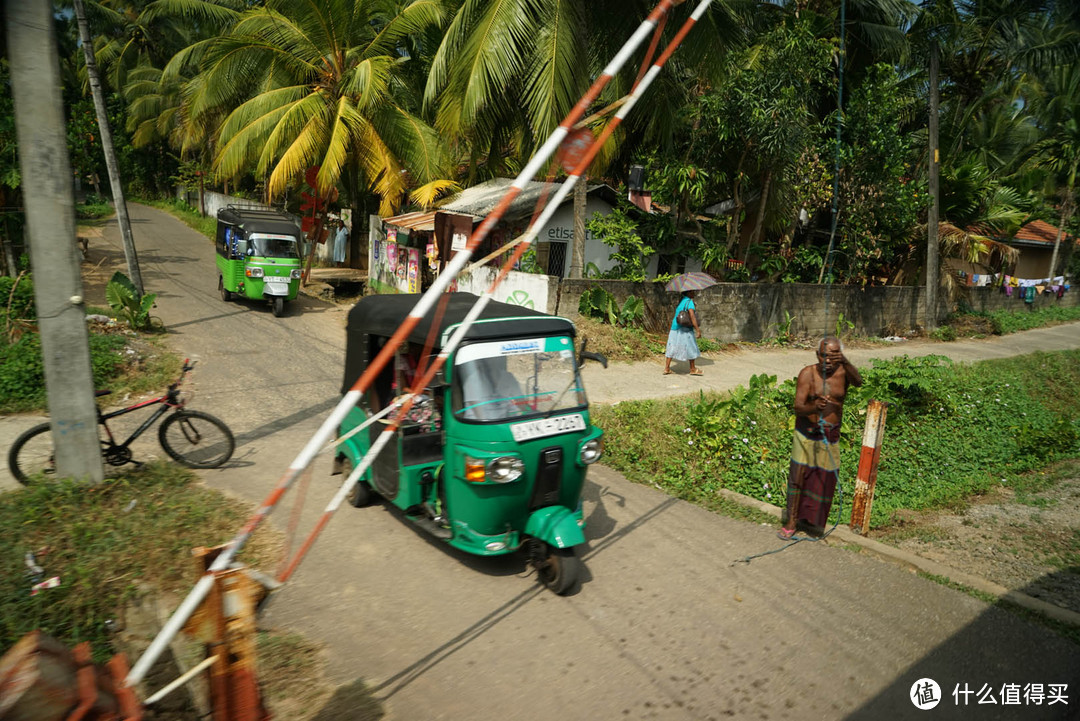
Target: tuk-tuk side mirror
(589, 355)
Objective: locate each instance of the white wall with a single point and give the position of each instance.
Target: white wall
(561, 229)
(526, 289)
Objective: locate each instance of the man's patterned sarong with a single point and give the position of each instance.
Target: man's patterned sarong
(812, 476)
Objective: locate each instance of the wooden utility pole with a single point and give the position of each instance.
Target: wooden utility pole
(933, 280)
(577, 245)
(50, 219)
(107, 146)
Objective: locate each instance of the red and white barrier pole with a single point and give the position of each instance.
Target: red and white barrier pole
(868, 465)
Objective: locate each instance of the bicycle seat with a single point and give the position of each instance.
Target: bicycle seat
(99, 394)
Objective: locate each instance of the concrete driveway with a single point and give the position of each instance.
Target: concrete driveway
(665, 625)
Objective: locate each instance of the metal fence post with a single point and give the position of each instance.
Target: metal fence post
(868, 465)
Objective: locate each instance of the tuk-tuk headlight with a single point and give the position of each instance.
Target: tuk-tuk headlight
(505, 469)
(295, 273)
(254, 272)
(591, 451)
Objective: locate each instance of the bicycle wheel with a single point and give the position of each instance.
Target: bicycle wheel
(196, 439)
(32, 453)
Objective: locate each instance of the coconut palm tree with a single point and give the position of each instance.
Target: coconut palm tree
(507, 71)
(314, 84)
(1059, 115)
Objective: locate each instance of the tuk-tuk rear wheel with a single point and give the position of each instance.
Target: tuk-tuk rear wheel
(361, 494)
(559, 570)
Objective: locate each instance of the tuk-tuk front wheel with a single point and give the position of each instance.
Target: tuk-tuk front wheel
(225, 295)
(557, 568)
(361, 494)
(279, 306)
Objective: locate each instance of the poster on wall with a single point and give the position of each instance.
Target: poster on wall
(414, 270)
(391, 254)
(459, 241)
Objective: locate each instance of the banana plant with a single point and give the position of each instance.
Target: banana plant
(124, 299)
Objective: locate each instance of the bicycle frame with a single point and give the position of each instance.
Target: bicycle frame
(166, 404)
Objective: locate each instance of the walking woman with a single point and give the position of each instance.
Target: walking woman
(681, 340)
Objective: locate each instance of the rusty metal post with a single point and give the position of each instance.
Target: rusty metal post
(225, 623)
(868, 465)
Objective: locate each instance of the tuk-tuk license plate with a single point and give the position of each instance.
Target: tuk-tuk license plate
(547, 427)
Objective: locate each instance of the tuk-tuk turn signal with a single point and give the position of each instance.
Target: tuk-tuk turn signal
(475, 472)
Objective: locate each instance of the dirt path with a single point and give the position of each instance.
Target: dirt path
(1027, 539)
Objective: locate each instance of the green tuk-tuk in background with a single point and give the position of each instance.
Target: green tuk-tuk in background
(493, 457)
(258, 255)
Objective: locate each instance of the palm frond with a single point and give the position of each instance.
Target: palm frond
(430, 193)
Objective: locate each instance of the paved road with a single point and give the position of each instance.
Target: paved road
(665, 626)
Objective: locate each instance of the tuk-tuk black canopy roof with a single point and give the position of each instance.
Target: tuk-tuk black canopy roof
(255, 220)
(382, 315)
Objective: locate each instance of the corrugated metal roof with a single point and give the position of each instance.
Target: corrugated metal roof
(481, 199)
(414, 221)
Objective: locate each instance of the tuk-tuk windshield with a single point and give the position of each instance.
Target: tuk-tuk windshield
(510, 379)
(273, 246)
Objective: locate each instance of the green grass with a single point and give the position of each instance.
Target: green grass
(953, 432)
(104, 542)
(184, 212)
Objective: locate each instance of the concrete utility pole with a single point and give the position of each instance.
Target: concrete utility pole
(933, 280)
(577, 246)
(50, 218)
(108, 148)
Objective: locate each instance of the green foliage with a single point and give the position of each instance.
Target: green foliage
(19, 293)
(783, 330)
(22, 373)
(843, 325)
(93, 208)
(124, 299)
(89, 534)
(596, 302)
(631, 254)
(951, 432)
(880, 200)
(911, 382)
(944, 333)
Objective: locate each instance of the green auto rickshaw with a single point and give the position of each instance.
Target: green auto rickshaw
(492, 457)
(258, 255)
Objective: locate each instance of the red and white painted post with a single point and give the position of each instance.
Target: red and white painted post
(868, 465)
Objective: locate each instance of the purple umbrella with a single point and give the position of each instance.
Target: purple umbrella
(690, 281)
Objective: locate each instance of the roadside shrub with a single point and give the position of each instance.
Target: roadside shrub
(22, 300)
(944, 333)
(22, 373)
(596, 302)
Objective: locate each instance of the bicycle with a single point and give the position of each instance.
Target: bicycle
(191, 438)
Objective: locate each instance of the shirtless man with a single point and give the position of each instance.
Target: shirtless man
(815, 457)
